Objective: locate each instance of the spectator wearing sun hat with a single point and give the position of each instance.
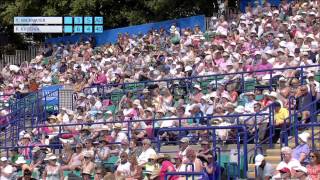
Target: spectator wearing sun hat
(87, 165)
(301, 152)
(117, 134)
(52, 169)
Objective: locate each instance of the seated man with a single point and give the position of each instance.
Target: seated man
(280, 118)
(264, 169)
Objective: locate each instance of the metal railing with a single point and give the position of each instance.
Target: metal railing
(30, 109)
(111, 90)
(292, 124)
(240, 130)
(19, 57)
(270, 121)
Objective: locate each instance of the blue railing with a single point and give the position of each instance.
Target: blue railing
(293, 123)
(269, 117)
(32, 107)
(203, 175)
(241, 130)
(215, 77)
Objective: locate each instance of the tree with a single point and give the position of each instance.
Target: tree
(117, 13)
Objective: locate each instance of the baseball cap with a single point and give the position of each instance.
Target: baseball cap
(258, 159)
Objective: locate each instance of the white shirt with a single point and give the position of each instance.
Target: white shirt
(124, 168)
(145, 155)
(292, 163)
(120, 137)
(248, 107)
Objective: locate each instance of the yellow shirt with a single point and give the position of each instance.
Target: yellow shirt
(280, 116)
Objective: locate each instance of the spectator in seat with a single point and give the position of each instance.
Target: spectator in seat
(205, 148)
(14, 155)
(117, 135)
(192, 159)
(123, 169)
(302, 151)
(300, 172)
(304, 98)
(313, 167)
(99, 173)
(184, 145)
(27, 175)
(87, 166)
(37, 159)
(285, 168)
(264, 169)
(52, 170)
(280, 117)
(147, 152)
(166, 166)
(75, 161)
(135, 169)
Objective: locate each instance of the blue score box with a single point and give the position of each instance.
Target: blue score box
(78, 29)
(67, 20)
(67, 29)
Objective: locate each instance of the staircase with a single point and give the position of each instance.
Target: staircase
(273, 155)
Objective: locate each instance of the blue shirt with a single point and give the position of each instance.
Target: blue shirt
(302, 148)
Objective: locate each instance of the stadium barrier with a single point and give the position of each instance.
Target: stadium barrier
(240, 129)
(19, 57)
(32, 109)
(292, 124)
(115, 91)
(110, 36)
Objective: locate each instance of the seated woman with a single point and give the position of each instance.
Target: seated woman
(302, 151)
(135, 170)
(76, 158)
(313, 167)
(87, 166)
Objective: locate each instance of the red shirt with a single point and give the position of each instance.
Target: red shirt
(164, 169)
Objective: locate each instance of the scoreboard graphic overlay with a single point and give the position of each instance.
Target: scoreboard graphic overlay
(67, 24)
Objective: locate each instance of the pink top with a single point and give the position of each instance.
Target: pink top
(101, 79)
(263, 67)
(164, 169)
(314, 172)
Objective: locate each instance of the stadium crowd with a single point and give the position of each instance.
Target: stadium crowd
(263, 38)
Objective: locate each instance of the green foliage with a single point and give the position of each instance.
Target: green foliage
(117, 13)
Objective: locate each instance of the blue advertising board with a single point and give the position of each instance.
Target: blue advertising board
(110, 36)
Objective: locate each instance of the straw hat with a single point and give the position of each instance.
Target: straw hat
(117, 126)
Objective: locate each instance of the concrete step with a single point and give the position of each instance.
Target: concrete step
(251, 175)
(273, 152)
(251, 167)
(273, 159)
(278, 146)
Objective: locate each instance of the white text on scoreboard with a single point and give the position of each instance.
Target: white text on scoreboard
(38, 29)
(37, 20)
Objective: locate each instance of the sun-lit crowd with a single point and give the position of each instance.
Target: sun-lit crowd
(114, 144)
